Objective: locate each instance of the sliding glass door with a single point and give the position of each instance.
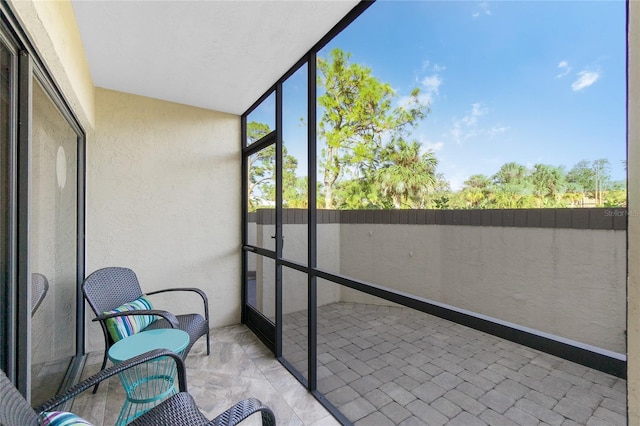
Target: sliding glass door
(52, 244)
(41, 224)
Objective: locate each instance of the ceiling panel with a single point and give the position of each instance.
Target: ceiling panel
(220, 55)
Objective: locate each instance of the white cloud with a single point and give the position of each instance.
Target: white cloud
(423, 98)
(430, 88)
(466, 127)
(428, 145)
(434, 146)
(432, 83)
(482, 9)
(476, 111)
(497, 130)
(427, 66)
(457, 177)
(585, 79)
(564, 69)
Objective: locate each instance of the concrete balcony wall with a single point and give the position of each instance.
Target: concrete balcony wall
(558, 277)
(295, 249)
(566, 282)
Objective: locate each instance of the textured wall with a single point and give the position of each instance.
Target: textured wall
(163, 198)
(561, 281)
(295, 294)
(567, 282)
(52, 27)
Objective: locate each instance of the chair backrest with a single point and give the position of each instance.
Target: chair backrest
(14, 409)
(39, 288)
(108, 288)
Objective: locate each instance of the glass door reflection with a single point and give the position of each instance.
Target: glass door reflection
(52, 244)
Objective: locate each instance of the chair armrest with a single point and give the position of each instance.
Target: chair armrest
(111, 371)
(242, 410)
(173, 321)
(202, 294)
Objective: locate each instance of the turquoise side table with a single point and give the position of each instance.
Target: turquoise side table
(148, 384)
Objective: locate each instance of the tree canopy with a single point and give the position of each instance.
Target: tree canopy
(363, 129)
(368, 159)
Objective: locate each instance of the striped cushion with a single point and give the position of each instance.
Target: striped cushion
(121, 327)
(62, 418)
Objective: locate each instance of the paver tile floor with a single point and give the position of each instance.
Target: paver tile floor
(384, 365)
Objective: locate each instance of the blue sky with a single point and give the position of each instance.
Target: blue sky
(524, 81)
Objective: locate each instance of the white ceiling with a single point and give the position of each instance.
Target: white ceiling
(220, 55)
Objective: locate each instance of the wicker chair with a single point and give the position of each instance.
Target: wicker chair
(39, 288)
(180, 409)
(111, 287)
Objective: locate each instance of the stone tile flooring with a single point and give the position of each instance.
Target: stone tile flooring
(384, 365)
(239, 366)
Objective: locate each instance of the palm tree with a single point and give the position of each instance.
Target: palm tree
(406, 175)
(476, 190)
(548, 183)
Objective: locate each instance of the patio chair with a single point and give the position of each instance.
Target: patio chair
(179, 409)
(116, 298)
(39, 288)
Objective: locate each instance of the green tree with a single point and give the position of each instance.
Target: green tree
(406, 175)
(356, 194)
(549, 183)
(295, 193)
(616, 196)
(602, 173)
(512, 186)
(358, 117)
(442, 196)
(262, 178)
(580, 177)
(512, 175)
(476, 190)
(261, 167)
(590, 177)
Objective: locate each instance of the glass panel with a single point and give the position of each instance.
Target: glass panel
(52, 244)
(6, 63)
(262, 198)
(472, 142)
(261, 290)
(362, 355)
(469, 146)
(262, 120)
(295, 331)
(382, 363)
(294, 167)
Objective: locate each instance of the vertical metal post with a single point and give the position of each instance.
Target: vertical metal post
(23, 289)
(279, 237)
(81, 160)
(245, 218)
(8, 291)
(313, 220)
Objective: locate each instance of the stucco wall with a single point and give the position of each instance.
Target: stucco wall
(563, 281)
(295, 286)
(568, 282)
(52, 28)
(633, 313)
(163, 198)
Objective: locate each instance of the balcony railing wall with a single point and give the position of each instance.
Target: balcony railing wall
(559, 271)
